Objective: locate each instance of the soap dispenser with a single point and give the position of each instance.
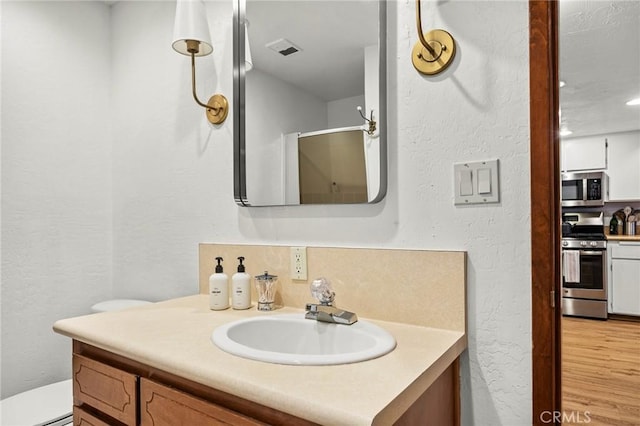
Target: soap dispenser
(241, 287)
(218, 288)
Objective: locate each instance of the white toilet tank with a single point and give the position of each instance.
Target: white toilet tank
(117, 304)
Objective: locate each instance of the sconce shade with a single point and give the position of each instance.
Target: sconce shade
(191, 24)
(248, 61)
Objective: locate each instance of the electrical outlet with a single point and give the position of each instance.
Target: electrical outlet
(298, 263)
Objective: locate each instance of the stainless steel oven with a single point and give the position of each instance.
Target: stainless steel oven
(584, 189)
(584, 266)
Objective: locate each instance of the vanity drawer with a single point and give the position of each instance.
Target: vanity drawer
(83, 418)
(161, 405)
(107, 389)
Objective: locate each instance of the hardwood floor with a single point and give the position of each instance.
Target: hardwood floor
(600, 372)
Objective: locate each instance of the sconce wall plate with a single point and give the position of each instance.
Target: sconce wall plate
(218, 109)
(434, 51)
(444, 50)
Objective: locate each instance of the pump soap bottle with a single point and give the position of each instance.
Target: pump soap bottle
(218, 288)
(241, 288)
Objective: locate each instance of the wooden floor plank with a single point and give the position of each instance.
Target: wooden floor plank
(600, 372)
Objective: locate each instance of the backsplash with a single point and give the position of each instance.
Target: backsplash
(608, 209)
(420, 287)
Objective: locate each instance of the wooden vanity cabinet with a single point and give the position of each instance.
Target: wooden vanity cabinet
(111, 390)
(116, 394)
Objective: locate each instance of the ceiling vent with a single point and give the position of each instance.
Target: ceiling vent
(283, 47)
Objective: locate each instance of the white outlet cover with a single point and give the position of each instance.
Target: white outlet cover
(298, 263)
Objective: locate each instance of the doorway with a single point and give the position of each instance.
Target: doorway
(545, 211)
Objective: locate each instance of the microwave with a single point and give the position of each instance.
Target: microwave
(584, 189)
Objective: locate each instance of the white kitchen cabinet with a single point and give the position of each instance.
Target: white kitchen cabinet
(624, 277)
(589, 153)
(624, 166)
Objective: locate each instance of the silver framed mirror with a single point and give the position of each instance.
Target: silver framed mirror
(309, 113)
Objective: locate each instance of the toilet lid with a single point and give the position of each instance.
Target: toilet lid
(117, 304)
(39, 406)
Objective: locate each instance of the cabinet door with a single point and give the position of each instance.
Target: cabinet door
(161, 405)
(107, 389)
(625, 283)
(624, 166)
(584, 154)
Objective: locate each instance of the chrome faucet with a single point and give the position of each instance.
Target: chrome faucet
(325, 311)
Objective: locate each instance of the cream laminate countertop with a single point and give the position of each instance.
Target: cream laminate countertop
(175, 336)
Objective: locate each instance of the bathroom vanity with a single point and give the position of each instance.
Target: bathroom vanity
(157, 364)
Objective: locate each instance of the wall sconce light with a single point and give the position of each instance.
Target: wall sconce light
(435, 51)
(191, 38)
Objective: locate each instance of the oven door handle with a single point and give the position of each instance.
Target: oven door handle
(592, 253)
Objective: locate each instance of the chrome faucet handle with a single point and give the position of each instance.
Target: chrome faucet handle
(321, 289)
(325, 311)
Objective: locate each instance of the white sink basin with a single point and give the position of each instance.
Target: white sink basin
(292, 339)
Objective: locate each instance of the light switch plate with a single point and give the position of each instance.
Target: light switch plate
(476, 182)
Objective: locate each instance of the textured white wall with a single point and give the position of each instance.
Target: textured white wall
(56, 181)
(172, 175)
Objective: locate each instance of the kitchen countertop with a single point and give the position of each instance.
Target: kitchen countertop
(622, 237)
(175, 336)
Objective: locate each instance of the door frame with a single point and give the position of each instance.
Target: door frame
(545, 210)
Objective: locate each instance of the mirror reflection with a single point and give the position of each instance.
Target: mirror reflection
(309, 90)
